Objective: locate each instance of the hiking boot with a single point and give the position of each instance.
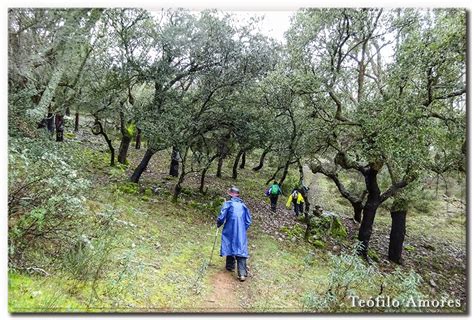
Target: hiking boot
(242, 278)
(230, 270)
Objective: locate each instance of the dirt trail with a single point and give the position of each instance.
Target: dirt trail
(225, 287)
(223, 297)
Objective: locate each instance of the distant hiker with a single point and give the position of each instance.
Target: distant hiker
(298, 201)
(236, 219)
(273, 192)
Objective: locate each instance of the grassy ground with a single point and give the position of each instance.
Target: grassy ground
(159, 249)
(155, 252)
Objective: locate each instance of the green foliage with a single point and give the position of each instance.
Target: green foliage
(46, 195)
(328, 225)
(404, 286)
(148, 192)
(373, 255)
(351, 277)
(320, 244)
(131, 129)
(210, 205)
(296, 231)
(88, 258)
(128, 188)
(218, 87)
(291, 181)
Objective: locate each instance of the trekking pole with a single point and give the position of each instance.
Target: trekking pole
(214, 245)
(205, 265)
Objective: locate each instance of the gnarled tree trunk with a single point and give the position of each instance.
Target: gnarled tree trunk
(177, 187)
(358, 207)
(142, 166)
(223, 152)
(398, 213)
(356, 201)
(100, 131)
(125, 142)
(285, 171)
(369, 210)
(203, 173)
(174, 164)
(262, 159)
(219, 167)
(242, 163)
(138, 139)
(273, 177)
(59, 123)
(76, 122)
(236, 164)
(123, 149)
(50, 121)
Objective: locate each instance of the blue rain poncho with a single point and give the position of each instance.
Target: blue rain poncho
(234, 235)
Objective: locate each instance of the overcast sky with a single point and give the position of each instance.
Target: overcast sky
(274, 24)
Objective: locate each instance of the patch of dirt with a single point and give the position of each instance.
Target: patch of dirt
(223, 297)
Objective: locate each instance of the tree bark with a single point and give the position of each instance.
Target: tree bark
(236, 164)
(203, 174)
(177, 187)
(356, 201)
(102, 132)
(242, 163)
(203, 178)
(369, 210)
(123, 149)
(262, 160)
(59, 123)
(76, 122)
(285, 172)
(273, 177)
(125, 142)
(223, 152)
(138, 139)
(219, 167)
(358, 207)
(174, 165)
(50, 122)
(142, 166)
(397, 234)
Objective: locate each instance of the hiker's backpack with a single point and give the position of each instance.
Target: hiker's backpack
(274, 190)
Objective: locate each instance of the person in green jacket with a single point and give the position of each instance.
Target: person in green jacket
(273, 192)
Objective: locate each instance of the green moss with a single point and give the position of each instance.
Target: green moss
(409, 248)
(148, 192)
(128, 188)
(27, 293)
(373, 255)
(328, 225)
(317, 243)
(293, 231)
(338, 230)
(69, 135)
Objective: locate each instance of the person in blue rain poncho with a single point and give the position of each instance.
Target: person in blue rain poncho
(236, 219)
